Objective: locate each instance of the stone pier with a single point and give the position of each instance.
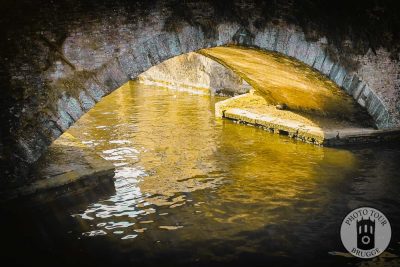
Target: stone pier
(67, 167)
(254, 110)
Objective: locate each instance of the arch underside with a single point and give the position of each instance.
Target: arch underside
(75, 92)
(287, 81)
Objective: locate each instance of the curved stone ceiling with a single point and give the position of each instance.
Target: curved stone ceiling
(280, 79)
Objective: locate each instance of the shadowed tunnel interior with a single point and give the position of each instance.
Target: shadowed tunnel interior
(310, 97)
(284, 80)
(90, 46)
(55, 68)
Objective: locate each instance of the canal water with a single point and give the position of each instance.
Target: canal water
(195, 190)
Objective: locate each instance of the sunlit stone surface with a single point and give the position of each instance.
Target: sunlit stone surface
(196, 73)
(284, 80)
(313, 128)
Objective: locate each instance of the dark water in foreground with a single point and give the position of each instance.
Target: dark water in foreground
(191, 190)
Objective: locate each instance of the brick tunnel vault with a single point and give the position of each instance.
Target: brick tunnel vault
(58, 68)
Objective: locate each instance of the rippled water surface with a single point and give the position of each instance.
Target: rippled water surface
(191, 189)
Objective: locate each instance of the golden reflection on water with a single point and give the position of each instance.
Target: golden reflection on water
(179, 168)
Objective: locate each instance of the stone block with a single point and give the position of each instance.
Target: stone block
(362, 99)
(354, 85)
(169, 45)
(272, 39)
(319, 60)
(94, 90)
(292, 44)
(334, 71)
(64, 121)
(301, 49)
(371, 103)
(348, 79)
(225, 33)
(261, 38)
(111, 76)
(282, 41)
(381, 117)
(312, 53)
(139, 54)
(151, 51)
(86, 101)
(357, 91)
(191, 39)
(327, 66)
(129, 65)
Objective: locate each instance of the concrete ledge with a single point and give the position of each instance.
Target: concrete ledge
(254, 110)
(292, 129)
(364, 137)
(67, 166)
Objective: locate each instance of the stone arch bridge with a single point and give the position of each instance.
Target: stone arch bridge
(60, 58)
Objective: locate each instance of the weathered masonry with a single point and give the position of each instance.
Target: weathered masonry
(56, 67)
